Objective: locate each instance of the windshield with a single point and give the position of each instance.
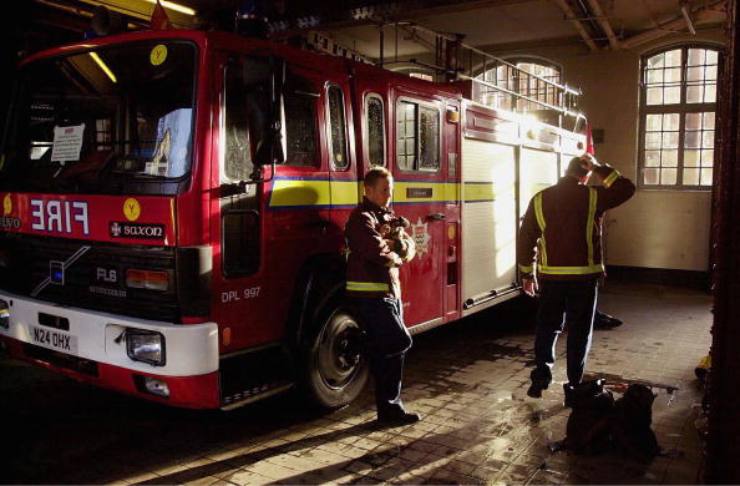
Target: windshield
(114, 120)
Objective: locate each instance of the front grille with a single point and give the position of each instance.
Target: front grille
(94, 281)
(61, 360)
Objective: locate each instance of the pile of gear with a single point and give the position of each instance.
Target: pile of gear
(599, 423)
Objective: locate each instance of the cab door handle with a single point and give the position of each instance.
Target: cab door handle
(437, 217)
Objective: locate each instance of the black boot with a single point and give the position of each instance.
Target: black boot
(541, 378)
(535, 389)
(398, 416)
(605, 321)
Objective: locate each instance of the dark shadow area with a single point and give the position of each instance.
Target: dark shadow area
(379, 461)
(65, 432)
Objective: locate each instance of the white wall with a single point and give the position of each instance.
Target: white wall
(656, 228)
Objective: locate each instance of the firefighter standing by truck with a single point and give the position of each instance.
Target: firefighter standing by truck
(561, 231)
(378, 247)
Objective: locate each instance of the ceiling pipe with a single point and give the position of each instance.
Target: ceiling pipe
(671, 26)
(604, 23)
(585, 17)
(576, 23)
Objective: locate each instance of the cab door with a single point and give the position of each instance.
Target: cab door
(267, 230)
(419, 165)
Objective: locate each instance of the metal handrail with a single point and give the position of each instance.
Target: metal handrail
(562, 92)
(496, 60)
(562, 109)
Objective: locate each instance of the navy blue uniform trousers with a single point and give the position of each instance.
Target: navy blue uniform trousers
(388, 341)
(564, 303)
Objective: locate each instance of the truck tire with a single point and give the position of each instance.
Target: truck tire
(335, 364)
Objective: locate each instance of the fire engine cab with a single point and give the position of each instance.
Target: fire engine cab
(173, 207)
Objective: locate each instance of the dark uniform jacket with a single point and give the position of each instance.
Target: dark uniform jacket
(562, 227)
(371, 271)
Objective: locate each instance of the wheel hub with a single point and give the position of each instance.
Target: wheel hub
(339, 353)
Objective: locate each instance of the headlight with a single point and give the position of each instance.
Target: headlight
(4, 315)
(145, 346)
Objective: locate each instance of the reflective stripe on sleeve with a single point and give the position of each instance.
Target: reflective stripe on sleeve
(368, 287)
(611, 178)
(526, 268)
(592, 200)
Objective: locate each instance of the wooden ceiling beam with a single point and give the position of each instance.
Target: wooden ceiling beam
(603, 22)
(674, 24)
(571, 17)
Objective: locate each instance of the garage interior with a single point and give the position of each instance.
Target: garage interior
(643, 66)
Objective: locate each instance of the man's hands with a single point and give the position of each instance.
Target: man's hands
(396, 260)
(400, 243)
(589, 162)
(529, 284)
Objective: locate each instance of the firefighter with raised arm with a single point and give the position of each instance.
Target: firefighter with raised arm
(559, 255)
(378, 247)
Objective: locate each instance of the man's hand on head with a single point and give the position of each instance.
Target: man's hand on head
(589, 162)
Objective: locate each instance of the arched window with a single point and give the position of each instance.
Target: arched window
(678, 101)
(503, 75)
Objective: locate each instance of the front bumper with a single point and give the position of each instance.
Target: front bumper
(190, 370)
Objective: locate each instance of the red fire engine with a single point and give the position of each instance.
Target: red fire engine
(173, 206)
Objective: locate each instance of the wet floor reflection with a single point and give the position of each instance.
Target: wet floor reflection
(468, 379)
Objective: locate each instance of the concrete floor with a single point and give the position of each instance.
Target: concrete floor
(469, 380)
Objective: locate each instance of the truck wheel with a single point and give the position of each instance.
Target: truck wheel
(336, 367)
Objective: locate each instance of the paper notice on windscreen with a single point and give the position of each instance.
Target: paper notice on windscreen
(67, 143)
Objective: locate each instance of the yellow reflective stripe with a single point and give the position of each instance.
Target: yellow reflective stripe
(597, 268)
(526, 268)
(538, 211)
(611, 178)
(287, 192)
(306, 192)
(592, 200)
(479, 191)
(344, 193)
(542, 244)
(452, 191)
(542, 249)
(368, 287)
(406, 191)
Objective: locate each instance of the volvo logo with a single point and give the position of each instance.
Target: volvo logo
(57, 270)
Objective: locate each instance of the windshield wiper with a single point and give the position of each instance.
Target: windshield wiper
(143, 175)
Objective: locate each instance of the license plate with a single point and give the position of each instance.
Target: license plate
(59, 341)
